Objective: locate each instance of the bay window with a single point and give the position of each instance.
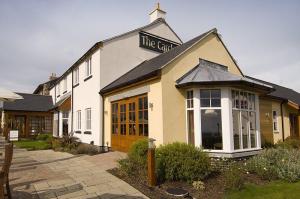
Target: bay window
(190, 117)
(244, 120)
(211, 122)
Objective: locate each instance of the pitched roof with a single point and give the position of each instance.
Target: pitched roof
(281, 92)
(152, 67)
(207, 72)
(40, 86)
(31, 102)
(100, 43)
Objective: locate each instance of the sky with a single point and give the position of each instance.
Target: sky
(39, 37)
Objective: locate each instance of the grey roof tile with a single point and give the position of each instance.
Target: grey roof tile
(31, 102)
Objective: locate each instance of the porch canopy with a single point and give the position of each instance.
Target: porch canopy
(7, 95)
(210, 73)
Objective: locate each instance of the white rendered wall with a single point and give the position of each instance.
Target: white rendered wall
(86, 95)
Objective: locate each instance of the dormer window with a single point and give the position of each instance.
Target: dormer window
(65, 84)
(88, 67)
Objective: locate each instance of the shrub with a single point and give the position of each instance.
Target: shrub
(45, 137)
(136, 162)
(179, 161)
(69, 142)
(86, 149)
(289, 143)
(56, 144)
(276, 163)
(234, 179)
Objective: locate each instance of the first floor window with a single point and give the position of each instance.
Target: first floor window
(88, 117)
(211, 119)
(211, 128)
(190, 116)
(114, 118)
(88, 67)
(79, 120)
(275, 121)
(244, 120)
(76, 76)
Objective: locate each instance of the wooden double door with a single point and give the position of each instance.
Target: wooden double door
(129, 122)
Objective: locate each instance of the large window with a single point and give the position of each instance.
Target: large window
(143, 116)
(40, 124)
(190, 117)
(78, 120)
(275, 121)
(244, 120)
(88, 118)
(211, 120)
(114, 118)
(88, 67)
(130, 116)
(76, 76)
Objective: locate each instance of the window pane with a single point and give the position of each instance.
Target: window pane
(211, 127)
(205, 102)
(204, 93)
(252, 123)
(145, 129)
(145, 103)
(236, 128)
(190, 123)
(215, 93)
(140, 103)
(141, 129)
(215, 102)
(245, 135)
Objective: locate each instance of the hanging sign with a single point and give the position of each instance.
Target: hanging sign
(13, 135)
(156, 43)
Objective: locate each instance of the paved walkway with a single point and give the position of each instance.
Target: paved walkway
(49, 174)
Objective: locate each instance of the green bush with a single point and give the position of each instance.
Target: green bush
(289, 143)
(234, 178)
(56, 144)
(69, 142)
(45, 137)
(136, 162)
(278, 163)
(180, 161)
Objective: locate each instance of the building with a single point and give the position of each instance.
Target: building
(78, 107)
(280, 114)
(30, 115)
(148, 83)
(44, 88)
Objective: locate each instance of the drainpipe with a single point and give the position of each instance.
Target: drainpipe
(102, 104)
(72, 104)
(282, 119)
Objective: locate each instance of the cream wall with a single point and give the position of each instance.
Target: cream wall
(155, 114)
(173, 99)
(276, 107)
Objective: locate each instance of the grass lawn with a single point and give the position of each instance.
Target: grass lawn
(274, 190)
(33, 144)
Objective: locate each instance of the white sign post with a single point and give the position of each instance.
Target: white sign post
(13, 135)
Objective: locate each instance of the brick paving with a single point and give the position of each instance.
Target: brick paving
(49, 174)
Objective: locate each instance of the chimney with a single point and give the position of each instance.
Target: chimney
(52, 76)
(157, 13)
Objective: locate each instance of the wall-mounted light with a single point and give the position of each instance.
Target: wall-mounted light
(151, 105)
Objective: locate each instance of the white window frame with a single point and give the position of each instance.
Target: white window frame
(189, 101)
(78, 120)
(65, 84)
(248, 110)
(88, 67)
(275, 121)
(88, 118)
(76, 76)
(211, 108)
(58, 89)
